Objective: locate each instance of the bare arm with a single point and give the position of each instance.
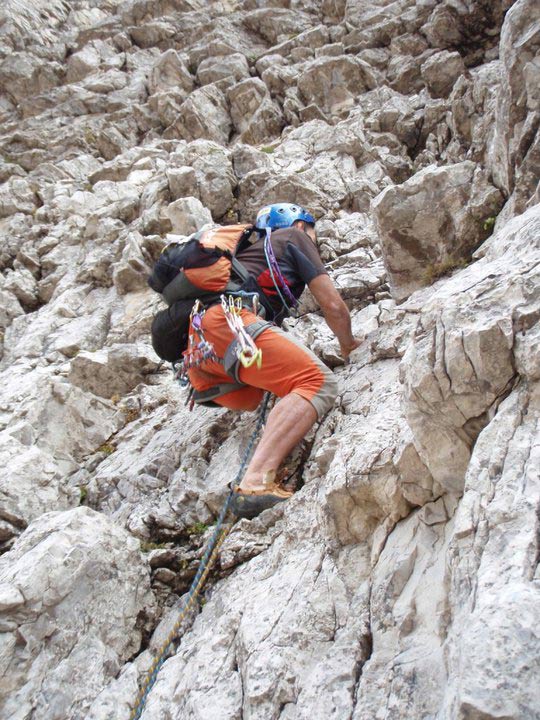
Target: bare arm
(335, 312)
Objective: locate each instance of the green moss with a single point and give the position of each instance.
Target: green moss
(83, 494)
(107, 448)
(269, 149)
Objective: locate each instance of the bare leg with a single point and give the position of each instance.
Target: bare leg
(286, 426)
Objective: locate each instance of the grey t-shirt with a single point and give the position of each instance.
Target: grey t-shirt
(297, 257)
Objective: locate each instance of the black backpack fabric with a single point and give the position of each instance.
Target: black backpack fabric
(170, 330)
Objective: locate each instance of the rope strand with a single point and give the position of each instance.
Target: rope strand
(205, 565)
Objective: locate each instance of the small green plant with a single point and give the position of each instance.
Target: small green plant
(197, 528)
(107, 448)
(147, 546)
(269, 149)
(489, 223)
(434, 271)
(83, 494)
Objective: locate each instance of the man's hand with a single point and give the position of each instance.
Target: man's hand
(336, 313)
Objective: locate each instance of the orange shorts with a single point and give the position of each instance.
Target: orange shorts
(287, 366)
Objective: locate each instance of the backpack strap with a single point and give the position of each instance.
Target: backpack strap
(240, 270)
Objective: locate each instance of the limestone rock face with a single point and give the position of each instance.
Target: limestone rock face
(401, 579)
(72, 588)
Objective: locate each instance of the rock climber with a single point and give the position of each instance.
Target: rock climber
(306, 387)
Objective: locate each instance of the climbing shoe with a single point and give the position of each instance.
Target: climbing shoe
(249, 503)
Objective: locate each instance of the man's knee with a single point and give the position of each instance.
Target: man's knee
(324, 399)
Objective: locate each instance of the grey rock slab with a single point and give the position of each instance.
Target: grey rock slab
(170, 71)
(514, 156)
(492, 570)
(10, 308)
(31, 483)
(224, 71)
(132, 270)
(114, 370)
(84, 584)
(205, 172)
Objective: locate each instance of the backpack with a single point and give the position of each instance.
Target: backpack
(202, 269)
(170, 330)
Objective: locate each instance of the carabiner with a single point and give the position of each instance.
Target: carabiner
(248, 360)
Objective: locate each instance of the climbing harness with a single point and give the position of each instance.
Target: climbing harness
(241, 352)
(205, 565)
(277, 276)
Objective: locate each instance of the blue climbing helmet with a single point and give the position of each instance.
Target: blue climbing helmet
(281, 215)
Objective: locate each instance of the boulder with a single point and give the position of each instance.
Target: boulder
(203, 115)
(255, 116)
(206, 173)
(17, 195)
(23, 74)
(223, 71)
(72, 592)
(23, 285)
(431, 223)
(182, 182)
(82, 63)
(334, 83)
(440, 72)
(32, 483)
(10, 308)
(132, 271)
(187, 215)
(170, 72)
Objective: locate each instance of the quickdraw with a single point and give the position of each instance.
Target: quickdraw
(199, 350)
(248, 353)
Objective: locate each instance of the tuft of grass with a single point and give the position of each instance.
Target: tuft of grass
(147, 546)
(107, 448)
(197, 528)
(434, 271)
(83, 491)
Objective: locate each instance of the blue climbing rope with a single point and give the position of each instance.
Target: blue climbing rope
(205, 565)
